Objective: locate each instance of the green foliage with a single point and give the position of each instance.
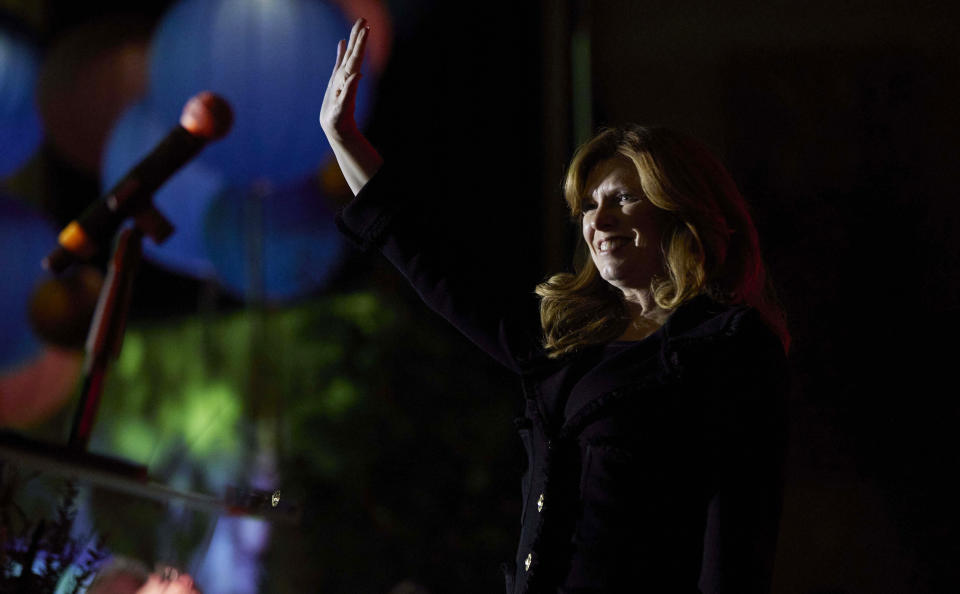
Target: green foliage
(197, 399)
(389, 429)
(414, 482)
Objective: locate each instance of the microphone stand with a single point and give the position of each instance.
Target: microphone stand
(105, 337)
(104, 340)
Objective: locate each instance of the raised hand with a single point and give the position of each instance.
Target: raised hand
(357, 158)
(339, 100)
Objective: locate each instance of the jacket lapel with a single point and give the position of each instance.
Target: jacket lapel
(649, 364)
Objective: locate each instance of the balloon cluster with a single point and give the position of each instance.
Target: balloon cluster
(20, 131)
(246, 211)
(250, 212)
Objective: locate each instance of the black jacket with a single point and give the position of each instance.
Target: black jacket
(655, 468)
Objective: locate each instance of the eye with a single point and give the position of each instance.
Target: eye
(626, 198)
(588, 205)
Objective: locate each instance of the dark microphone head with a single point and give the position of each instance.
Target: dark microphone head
(207, 116)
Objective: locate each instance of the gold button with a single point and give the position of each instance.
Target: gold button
(540, 503)
(527, 562)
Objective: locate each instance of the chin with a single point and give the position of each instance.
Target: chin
(625, 283)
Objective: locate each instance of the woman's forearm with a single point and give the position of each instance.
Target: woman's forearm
(357, 158)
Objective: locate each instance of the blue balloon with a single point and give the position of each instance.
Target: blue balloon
(25, 238)
(183, 199)
(20, 129)
(270, 59)
(273, 245)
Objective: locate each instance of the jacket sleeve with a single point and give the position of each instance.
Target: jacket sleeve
(453, 283)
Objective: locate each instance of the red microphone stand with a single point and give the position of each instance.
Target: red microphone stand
(105, 337)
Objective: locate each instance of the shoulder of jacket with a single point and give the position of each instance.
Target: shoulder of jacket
(718, 333)
(705, 320)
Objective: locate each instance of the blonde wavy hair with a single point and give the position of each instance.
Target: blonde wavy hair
(710, 244)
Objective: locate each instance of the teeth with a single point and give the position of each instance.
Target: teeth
(609, 244)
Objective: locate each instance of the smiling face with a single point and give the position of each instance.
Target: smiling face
(621, 227)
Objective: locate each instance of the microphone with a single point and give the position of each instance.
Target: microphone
(205, 117)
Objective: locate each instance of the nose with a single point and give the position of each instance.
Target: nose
(604, 217)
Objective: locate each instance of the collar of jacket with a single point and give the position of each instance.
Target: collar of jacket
(693, 327)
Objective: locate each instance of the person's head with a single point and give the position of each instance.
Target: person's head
(681, 226)
(621, 229)
(121, 575)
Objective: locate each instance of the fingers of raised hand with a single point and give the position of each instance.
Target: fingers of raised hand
(353, 56)
(341, 50)
(358, 26)
(355, 31)
(336, 112)
(348, 72)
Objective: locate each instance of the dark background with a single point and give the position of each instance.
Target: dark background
(838, 121)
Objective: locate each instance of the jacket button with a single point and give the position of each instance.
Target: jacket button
(540, 503)
(527, 562)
